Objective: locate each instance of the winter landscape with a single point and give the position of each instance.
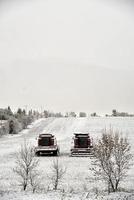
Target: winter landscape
(66, 99)
(78, 181)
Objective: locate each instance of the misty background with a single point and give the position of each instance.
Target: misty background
(67, 55)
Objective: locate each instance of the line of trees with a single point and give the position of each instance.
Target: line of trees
(47, 114)
(13, 122)
(115, 113)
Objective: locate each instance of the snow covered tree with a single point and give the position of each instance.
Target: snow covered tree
(26, 167)
(24, 112)
(112, 158)
(6, 113)
(30, 112)
(82, 114)
(19, 111)
(23, 118)
(58, 114)
(9, 111)
(114, 112)
(12, 127)
(93, 114)
(72, 114)
(46, 113)
(4, 130)
(58, 172)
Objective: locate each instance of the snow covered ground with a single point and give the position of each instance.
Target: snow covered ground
(77, 181)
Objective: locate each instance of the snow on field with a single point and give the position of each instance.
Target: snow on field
(66, 196)
(77, 179)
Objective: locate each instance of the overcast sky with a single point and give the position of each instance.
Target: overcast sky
(67, 55)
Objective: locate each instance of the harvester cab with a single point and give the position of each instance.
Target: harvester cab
(47, 145)
(81, 145)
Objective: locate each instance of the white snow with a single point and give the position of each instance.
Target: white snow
(77, 180)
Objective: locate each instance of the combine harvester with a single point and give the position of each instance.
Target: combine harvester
(82, 145)
(47, 145)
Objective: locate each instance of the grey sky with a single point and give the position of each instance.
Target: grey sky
(67, 54)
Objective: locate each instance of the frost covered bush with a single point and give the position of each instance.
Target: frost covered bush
(4, 129)
(26, 167)
(12, 123)
(58, 171)
(2, 132)
(112, 159)
(14, 126)
(24, 120)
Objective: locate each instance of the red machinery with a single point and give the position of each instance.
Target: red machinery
(47, 144)
(82, 145)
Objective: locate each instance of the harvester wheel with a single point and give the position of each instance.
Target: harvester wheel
(55, 153)
(38, 153)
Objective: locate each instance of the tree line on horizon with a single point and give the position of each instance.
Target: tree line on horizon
(13, 122)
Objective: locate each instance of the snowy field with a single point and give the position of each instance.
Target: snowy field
(78, 182)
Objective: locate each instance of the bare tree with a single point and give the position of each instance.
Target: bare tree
(112, 158)
(26, 166)
(58, 171)
(35, 180)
